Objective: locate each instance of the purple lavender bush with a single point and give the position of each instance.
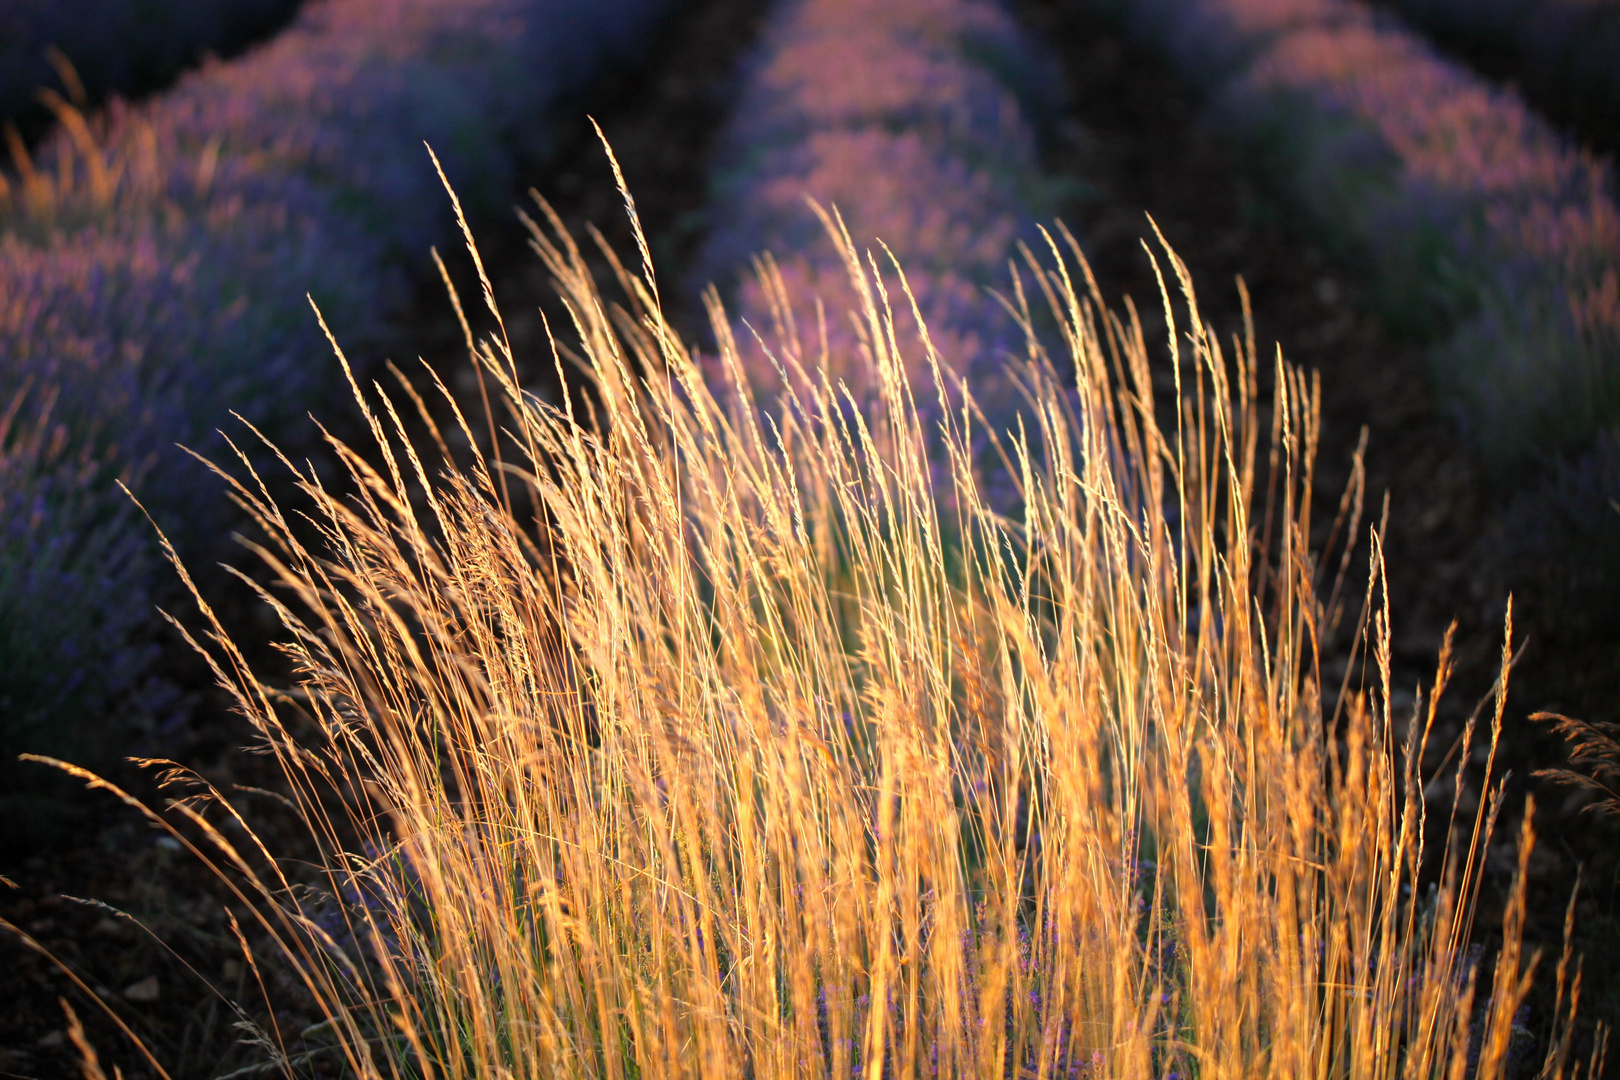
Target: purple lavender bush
(1564, 53)
(1485, 230)
(154, 266)
(911, 119)
(123, 47)
(76, 579)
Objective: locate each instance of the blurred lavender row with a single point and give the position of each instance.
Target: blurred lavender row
(1485, 230)
(123, 47)
(910, 118)
(1565, 54)
(154, 263)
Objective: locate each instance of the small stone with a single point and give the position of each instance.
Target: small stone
(144, 992)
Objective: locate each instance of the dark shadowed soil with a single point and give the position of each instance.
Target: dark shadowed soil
(1132, 135)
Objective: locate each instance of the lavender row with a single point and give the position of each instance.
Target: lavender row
(1486, 231)
(910, 118)
(76, 577)
(1565, 54)
(121, 47)
(154, 265)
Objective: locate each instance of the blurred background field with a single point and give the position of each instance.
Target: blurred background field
(1418, 195)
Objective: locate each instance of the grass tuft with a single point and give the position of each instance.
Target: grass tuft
(731, 737)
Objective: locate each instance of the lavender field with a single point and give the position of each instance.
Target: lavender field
(942, 538)
(156, 270)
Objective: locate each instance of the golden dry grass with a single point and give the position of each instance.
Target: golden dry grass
(759, 743)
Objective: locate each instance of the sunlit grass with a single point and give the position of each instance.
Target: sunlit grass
(713, 736)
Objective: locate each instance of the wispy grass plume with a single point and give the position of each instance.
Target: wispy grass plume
(745, 750)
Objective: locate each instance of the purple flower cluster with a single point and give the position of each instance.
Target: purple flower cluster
(910, 118)
(153, 274)
(1484, 228)
(120, 46)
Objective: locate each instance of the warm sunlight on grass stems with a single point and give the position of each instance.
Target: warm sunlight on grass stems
(722, 737)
